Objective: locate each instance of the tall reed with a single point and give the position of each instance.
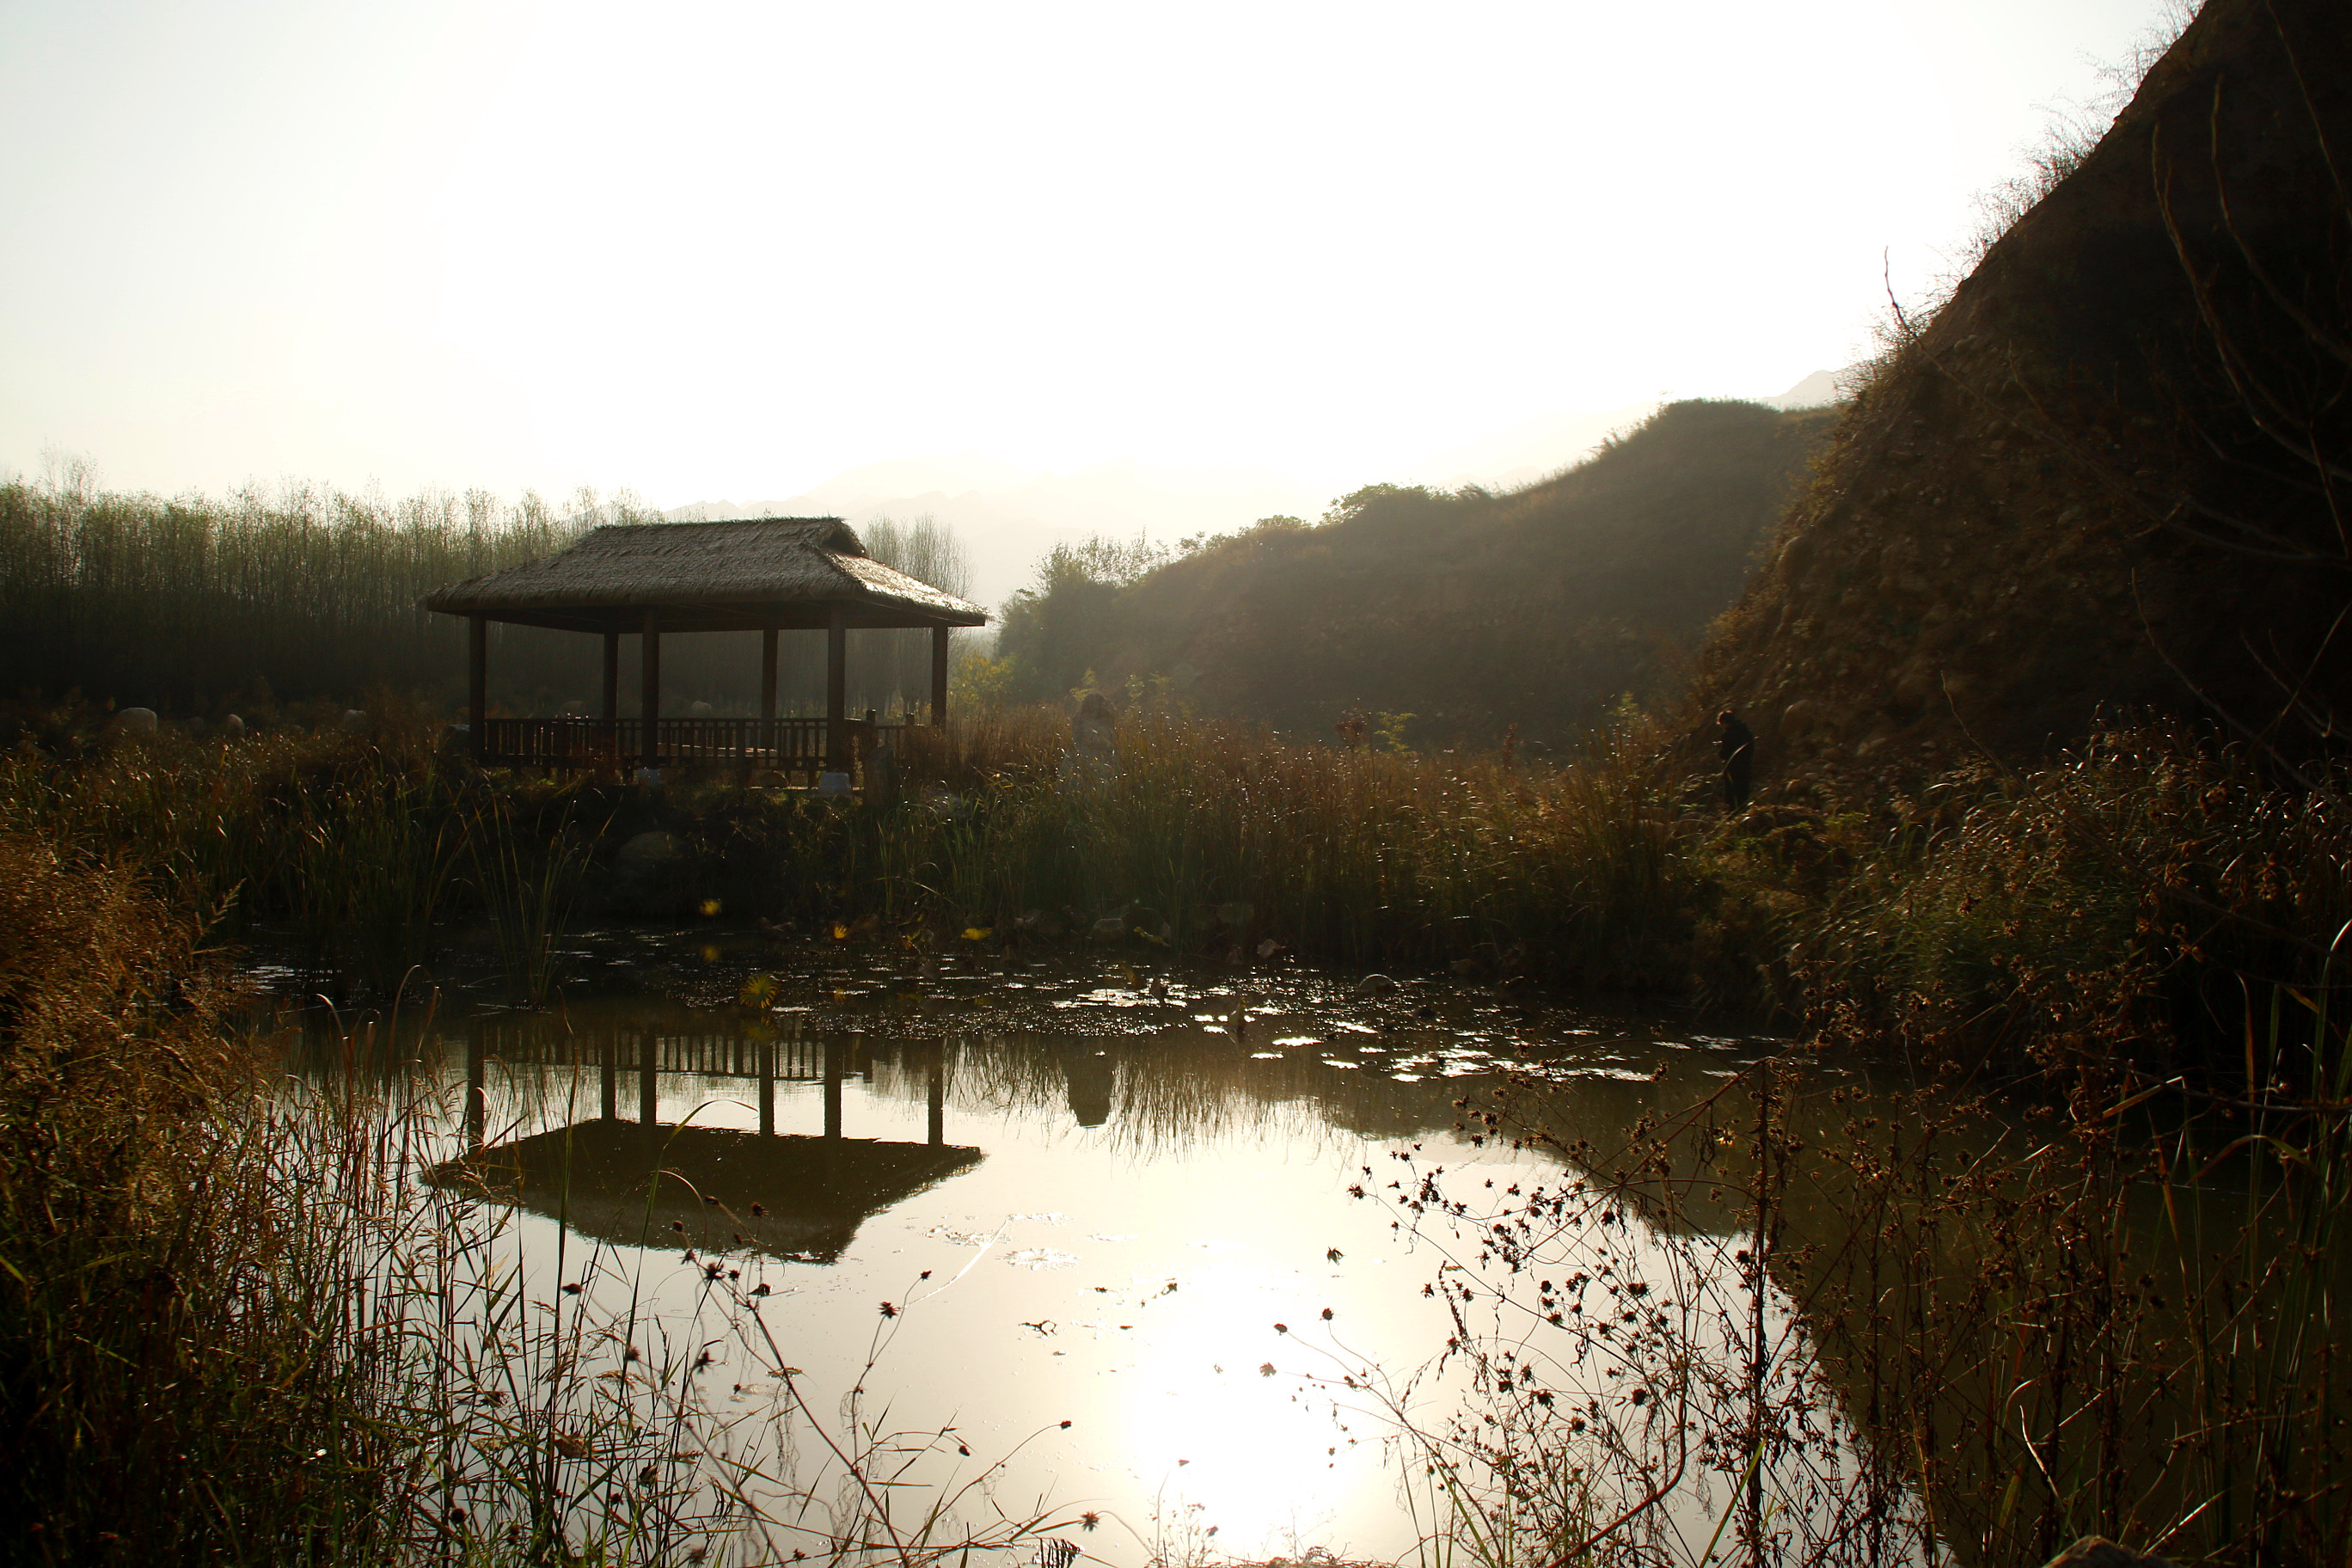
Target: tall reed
(1226, 835)
(253, 600)
(181, 1364)
(528, 878)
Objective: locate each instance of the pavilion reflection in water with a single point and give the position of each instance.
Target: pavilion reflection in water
(641, 1181)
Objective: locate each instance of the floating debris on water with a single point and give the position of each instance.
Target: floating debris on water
(1038, 1258)
(956, 1237)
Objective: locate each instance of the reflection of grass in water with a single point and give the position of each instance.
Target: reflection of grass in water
(1145, 1092)
(1149, 1095)
(1640, 1389)
(1971, 1337)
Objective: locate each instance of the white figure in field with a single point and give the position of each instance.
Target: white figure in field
(1094, 732)
(1093, 756)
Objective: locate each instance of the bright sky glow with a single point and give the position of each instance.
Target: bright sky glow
(735, 249)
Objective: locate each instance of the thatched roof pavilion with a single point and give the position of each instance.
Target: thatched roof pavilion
(765, 574)
(635, 1182)
(791, 1195)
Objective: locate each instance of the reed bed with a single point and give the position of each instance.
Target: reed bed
(258, 603)
(1221, 837)
(2146, 890)
(176, 1357)
(192, 603)
(236, 1326)
(2100, 1311)
(2039, 1323)
(1201, 837)
(2136, 905)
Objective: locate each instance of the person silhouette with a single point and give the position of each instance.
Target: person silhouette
(1736, 744)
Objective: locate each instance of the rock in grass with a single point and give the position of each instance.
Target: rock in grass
(135, 722)
(649, 874)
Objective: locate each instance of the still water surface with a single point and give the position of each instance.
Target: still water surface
(1035, 1196)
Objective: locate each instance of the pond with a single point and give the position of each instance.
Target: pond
(1156, 1253)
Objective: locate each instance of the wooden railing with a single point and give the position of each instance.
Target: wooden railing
(795, 746)
(707, 1054)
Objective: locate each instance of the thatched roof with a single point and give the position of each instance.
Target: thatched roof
(747, 573)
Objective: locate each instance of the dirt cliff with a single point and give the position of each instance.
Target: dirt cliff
(2112, 471)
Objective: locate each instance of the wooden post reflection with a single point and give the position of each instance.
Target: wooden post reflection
(476, 1091)
(609, 1049)
(938, 1087)
(835, 1064)
(767, 1088)
(649, 1051)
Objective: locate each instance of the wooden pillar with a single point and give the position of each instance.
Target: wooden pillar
(649, 691)
(939, 675)
(611, 676)
(836, 693)
(768, 694)
(477, 682)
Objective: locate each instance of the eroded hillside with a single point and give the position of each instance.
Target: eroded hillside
(2111, 471)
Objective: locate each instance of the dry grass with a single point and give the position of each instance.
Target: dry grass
(1223, 837)
(2106, 1325)
(178, 1371)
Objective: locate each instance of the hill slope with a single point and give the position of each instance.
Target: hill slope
(2111, 470)
(1471, 610)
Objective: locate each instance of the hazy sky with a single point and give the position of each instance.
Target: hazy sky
(708, 248)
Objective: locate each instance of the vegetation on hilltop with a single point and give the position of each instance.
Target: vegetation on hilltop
(1471, 611)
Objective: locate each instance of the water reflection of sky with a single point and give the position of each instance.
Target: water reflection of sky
(1116, 1226)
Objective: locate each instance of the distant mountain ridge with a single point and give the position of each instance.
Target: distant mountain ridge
(1470, 612)
(1009, 516)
